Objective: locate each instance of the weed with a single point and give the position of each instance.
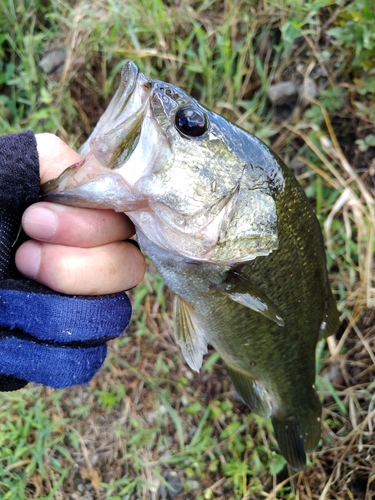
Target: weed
(146, 418)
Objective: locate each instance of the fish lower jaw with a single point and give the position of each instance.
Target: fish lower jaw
(192, 246)
(181, 244)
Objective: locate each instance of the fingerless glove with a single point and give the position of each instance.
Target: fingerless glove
(45, 337)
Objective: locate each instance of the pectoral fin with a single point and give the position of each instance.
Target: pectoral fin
(252, 391)
(190, 337)
(245, 293)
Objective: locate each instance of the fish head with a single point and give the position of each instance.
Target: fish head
(192, 182)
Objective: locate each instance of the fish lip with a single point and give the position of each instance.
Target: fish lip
(129, 74)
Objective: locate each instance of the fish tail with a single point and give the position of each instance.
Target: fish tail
(312, 427)
(296, 435)
(290, 439)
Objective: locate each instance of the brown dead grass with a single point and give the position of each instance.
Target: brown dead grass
(344, 464)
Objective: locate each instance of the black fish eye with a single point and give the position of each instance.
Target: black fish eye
(190, 121)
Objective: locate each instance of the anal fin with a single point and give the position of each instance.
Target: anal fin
(190, 336)
(252, 391)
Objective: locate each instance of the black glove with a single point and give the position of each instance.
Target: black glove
(45, 337)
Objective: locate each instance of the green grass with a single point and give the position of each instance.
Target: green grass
(146, 418)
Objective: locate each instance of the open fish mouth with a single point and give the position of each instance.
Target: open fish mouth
(120, 125)
(94, 182)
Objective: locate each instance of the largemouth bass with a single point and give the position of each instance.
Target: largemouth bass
(233, 235)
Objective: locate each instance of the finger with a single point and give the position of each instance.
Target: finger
(54, 156)
(80, 271)
(76, 227)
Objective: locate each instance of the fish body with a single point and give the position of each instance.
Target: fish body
(233, 235)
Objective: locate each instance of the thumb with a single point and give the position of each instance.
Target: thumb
(54, 156)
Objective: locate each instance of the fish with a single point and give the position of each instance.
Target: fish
(232, 233)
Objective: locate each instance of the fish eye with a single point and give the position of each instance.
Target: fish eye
(191, 121)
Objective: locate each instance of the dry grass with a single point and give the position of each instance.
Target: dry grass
(146, 422)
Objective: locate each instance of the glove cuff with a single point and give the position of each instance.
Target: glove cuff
(56, 367)
(62, 336)
(54, 318)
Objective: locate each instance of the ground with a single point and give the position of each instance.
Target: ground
(147, 427)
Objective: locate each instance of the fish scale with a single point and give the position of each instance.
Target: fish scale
(233, 235)
(278, 357)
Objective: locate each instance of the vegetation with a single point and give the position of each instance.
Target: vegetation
(147, 427)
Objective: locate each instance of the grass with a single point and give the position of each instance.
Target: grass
(146, 427)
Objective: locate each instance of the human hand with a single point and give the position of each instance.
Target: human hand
(76, 250)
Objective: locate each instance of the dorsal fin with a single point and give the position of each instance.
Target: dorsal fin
(190, 337)
(241, 290)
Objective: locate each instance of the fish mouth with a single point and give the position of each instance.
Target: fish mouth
(116, 134)
(94, 182)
